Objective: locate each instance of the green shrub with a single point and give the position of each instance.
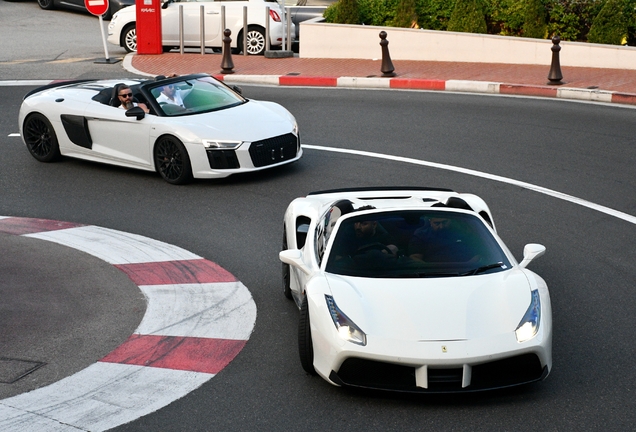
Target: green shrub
(534, 25)
(610, 25)
(377, 12)
(434, 14)
(331, 13)
(504, 17)
(467, 16)
(570, 19)
(405, 14)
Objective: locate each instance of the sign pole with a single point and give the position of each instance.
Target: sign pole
(99, 8)
(107, 60)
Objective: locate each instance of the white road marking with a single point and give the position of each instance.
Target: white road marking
(189, 332)
(560, 195)
(115, 247)
(100, 397)
(199, 310)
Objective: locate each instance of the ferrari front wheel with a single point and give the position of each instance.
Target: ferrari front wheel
(305, 344)
(40, 138)
(172, 161)
(286, 270)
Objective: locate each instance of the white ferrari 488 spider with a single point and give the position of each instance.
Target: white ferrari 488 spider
(411, 290)
(205, 129)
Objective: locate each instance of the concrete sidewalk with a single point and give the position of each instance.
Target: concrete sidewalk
(594, 84)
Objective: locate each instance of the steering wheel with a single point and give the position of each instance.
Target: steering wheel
(373, 246)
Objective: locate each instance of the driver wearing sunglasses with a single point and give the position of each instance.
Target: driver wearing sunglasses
(126, 98)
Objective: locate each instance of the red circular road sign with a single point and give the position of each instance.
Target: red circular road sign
(96, 7)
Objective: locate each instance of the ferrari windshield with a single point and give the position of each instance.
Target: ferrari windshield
(415, 244)
(195, 95)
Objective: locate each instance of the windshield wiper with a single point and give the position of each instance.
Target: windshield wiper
(483, 269)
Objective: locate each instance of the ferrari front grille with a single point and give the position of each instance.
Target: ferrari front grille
(370, 374)
(274, 150)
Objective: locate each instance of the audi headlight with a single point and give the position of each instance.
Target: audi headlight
(295, 129)
(529, 324)
(221, 145)
(346, 328)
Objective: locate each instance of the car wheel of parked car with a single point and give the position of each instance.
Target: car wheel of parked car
(40, 138)
(172, 161)
(255, 41)
(129, 38)
(305, 345)
(46, 4)
(286, 270)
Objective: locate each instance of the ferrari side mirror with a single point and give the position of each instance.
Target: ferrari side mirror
(530, 252)
(136, 112)
(293, 257)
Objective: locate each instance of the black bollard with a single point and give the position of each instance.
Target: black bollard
(226, 63)
(555, 75)
(387, 64)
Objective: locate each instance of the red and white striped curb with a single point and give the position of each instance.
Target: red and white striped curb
(591, 95)
(572, 93)
(198, 318)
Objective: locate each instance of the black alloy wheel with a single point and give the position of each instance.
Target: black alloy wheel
(46, 4)
(305, 344)
(172, 161)
(286, 270)
(40, 138)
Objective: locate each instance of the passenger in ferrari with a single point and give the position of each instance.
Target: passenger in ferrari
(364, 234)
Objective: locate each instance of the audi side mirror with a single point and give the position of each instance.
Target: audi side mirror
(136, 112)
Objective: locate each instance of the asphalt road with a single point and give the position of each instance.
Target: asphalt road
(583, 150)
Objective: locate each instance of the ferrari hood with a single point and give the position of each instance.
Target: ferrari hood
(251, 121)
(434, 309)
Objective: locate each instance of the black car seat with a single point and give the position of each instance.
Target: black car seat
(114, 99)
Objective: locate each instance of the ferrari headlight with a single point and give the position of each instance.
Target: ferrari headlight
(221, 145)
(346, 328)
(529, 324)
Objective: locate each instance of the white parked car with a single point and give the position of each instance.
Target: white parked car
(122, 29)
(208, 131)
(411, 290)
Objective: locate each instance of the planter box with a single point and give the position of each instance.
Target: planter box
(322, 40)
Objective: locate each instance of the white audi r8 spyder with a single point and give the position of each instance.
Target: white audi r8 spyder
(411, 290)
(208, 130)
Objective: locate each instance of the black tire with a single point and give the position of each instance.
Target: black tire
(128, 38)
(305, 344)
(255, 41)
(40, 138)
(46, 4)
(286, 271)
(172, 161)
